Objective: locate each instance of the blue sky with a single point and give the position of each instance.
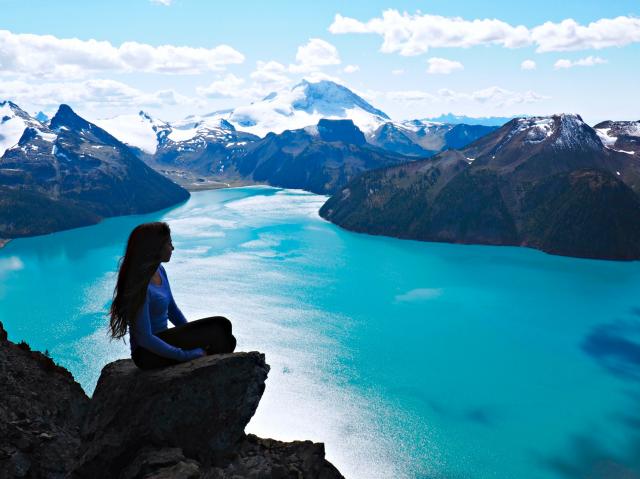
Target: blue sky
(588, 66)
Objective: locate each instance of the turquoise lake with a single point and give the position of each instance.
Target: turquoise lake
(407, 359)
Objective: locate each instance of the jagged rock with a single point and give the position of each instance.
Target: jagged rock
(169, 463)
(200, 406)
(41, 411)
(259, 458)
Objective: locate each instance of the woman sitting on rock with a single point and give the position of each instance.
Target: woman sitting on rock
(142, 304)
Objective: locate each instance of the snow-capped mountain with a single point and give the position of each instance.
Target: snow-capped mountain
(141, 130)
(72, 173)
(202, 145)
(13, 122)
(303, 105)
(425, 138)
(622, 136)
(543, 182)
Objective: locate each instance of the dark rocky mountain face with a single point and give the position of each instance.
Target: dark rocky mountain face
(184, 421)
(319, 159)
(545, 182)
(81, 171)
(419, 138)
(212, 151)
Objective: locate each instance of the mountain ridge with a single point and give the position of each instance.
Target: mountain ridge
(543, 182)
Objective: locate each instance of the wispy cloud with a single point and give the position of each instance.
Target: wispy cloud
(443, 66)
(415, 34)
(589, 61)
(166, 3)
(528, 65)
(351, 68)
(103, 92)
(50, 56)
(494, 95)
(230, 86)
(313, 55)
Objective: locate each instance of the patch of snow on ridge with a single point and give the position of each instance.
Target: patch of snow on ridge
(417, 125)
(538, 128)
(604, 134)
(11, 128)
(135, 130)
(193, 126)
(50, 137)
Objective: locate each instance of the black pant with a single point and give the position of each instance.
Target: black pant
(212, 334)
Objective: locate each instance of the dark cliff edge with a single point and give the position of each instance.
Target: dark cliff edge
(185, 421)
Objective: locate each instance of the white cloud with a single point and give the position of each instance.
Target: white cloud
(269, 76)
(528, 65)
(49, 56)
(313, 55)
(230, 86)
(414, 34)
(166, 3)
(570, 35)
(95, 92)
(589, 61)
(409, 35)
(494, 95)
(411, 95)
(351, 68)
(319, 76)
(398, 71)
(443, 66)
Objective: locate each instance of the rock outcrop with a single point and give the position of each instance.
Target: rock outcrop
(184, 421)
(41, 412)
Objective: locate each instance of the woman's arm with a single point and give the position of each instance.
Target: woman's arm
(175, 315)
(145, 338)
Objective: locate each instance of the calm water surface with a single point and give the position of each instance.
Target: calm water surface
(407, 359)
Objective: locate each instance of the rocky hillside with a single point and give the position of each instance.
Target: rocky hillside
(320, 159)
(543, 182)
(203, 146)
(183, 422)
(425, 138)
(72, 173)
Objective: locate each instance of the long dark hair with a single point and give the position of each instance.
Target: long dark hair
(141, 260)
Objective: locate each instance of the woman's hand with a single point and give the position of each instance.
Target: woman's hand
(197, 353)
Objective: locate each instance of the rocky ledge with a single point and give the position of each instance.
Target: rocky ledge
(184, 421)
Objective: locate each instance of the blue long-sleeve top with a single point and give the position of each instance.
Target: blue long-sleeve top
(159, 306)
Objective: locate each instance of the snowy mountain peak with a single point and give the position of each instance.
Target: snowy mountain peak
(66, 117)
(552, 135)
(141, 131)
(563, 130)
(330, 98)
(13, 123)
(306, 104)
